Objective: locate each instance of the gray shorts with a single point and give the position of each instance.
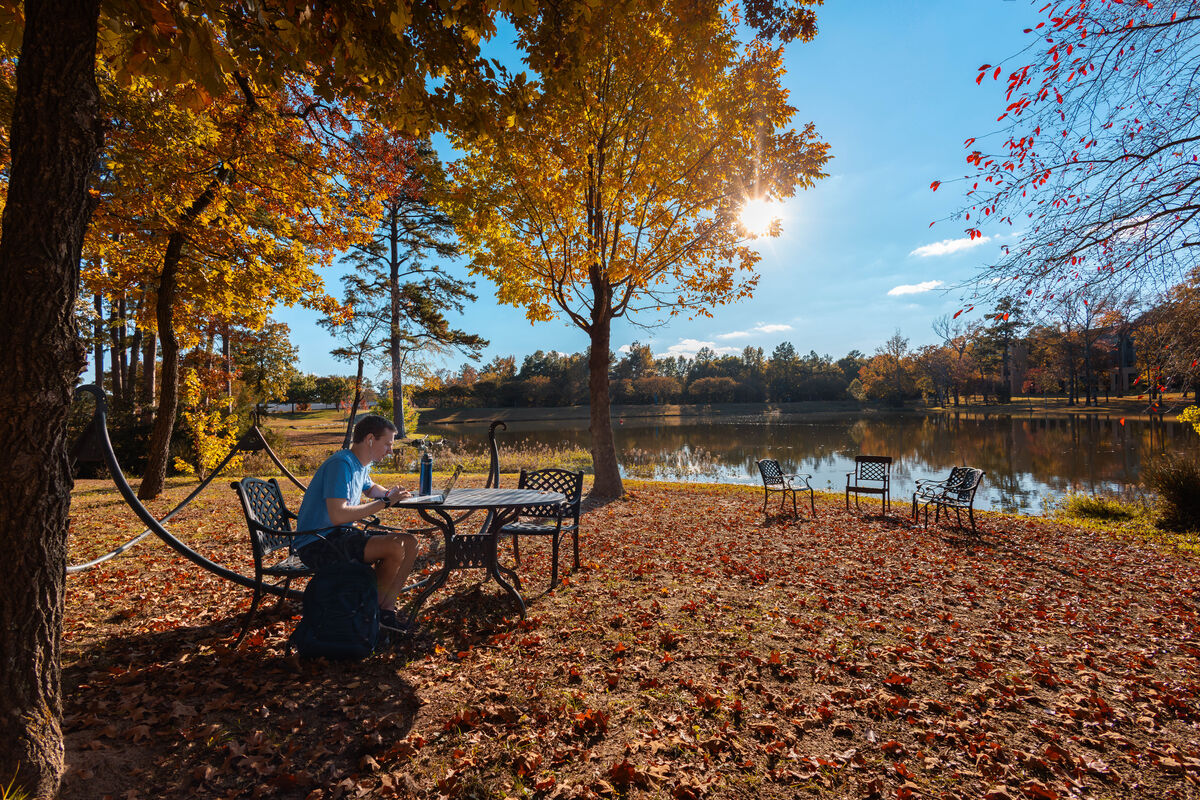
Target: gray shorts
(340, 544)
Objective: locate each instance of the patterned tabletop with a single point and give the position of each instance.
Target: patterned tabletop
(461, 499)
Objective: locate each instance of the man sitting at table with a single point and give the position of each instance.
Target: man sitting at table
(332, 502)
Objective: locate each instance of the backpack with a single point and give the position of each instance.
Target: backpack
(341, 613)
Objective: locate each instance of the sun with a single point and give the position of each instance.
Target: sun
(758, 216)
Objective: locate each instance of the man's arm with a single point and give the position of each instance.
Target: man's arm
(342, 511)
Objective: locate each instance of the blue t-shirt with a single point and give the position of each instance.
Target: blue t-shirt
(341, 477)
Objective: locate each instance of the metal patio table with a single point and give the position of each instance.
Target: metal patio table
(475, 550)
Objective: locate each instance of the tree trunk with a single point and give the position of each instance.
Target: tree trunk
(227, 361)
(164, 314)
(168, 393)
(55, 139)
(135, 352)
(1089, 398)
(394, 330)
(98, 335)
(354, 405)
(117, 350)
(149, 372)
(604, 450)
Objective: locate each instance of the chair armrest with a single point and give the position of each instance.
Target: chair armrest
(377, 526)
(259, 528)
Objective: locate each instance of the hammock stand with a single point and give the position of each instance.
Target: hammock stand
(94, 445)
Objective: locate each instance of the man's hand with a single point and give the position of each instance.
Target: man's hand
(395, 494)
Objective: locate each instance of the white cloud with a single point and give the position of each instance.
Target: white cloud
(914, 288)
(689, 348)
(762, 327)
(624, 349)
(947, 246)
(771, 328)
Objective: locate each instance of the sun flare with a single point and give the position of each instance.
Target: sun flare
(758, 215)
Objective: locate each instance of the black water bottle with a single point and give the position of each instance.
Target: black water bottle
(425, 475)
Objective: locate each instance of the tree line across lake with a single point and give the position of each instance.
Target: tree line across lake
(1116, 349)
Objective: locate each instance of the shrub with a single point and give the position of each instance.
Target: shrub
(1176, 481)
(1100, 507)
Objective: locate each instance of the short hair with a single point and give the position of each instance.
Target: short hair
(372, 425)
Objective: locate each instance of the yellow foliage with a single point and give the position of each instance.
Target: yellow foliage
(214, 432)
(617, 182)
(276, 207)
(1191, 415)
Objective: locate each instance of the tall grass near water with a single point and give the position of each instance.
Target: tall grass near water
(304, 459)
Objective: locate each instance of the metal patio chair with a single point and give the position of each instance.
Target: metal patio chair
(553, 520)
(774, 480)
(957, 491)
(871, 475)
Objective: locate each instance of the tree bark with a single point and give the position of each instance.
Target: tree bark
(168, 394)
(604, 449)
(55, 139)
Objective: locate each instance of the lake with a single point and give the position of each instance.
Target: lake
(1028, 461)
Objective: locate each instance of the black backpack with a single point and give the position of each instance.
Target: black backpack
(341, 613)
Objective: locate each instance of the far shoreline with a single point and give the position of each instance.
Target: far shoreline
(1126, 408)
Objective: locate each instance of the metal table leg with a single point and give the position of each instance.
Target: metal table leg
(445, 524)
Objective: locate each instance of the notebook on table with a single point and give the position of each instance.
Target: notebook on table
(441, 496)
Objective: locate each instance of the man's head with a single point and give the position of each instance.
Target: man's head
(373, 437)
(372, 425)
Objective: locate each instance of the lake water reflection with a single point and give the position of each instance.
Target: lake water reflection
(1027, 460)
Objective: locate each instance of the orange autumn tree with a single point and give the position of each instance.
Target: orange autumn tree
(214, 215)
(615, 189)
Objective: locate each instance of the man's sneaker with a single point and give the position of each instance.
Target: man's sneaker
(389, 621)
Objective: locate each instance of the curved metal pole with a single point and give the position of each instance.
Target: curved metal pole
(155, 527)
(493, 481)
(271, 453)
(102, 424)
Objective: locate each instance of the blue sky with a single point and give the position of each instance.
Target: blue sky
(890, 84)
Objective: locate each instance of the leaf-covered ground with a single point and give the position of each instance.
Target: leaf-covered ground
(700, 652)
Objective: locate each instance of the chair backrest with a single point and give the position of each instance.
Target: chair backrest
(963, 482)
(873, 468)
(266, 515)
(552, 480)
(772, 473)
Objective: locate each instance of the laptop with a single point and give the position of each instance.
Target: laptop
(441, 496)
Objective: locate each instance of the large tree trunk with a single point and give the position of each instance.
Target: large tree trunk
(55, 139)
(168, 393)
(604, 449)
